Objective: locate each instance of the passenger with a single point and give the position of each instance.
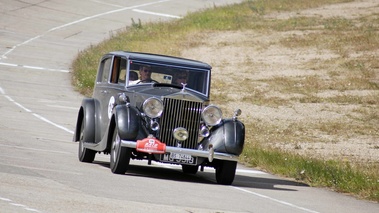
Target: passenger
(133, 76)
(181, 78)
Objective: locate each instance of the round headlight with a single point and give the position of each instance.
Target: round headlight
(180, 134)
(212, 115)
(152, 107)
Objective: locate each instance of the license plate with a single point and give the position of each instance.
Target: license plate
(179, 158)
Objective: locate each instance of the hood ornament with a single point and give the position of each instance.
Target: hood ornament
(184, 86)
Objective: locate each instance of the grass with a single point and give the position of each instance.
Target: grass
(342, 177)
(342, 74)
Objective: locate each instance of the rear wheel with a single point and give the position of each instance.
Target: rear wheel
(189, 169)
(225, 172)
(120, 156)
(84, 154)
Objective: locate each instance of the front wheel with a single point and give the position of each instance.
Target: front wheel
(84, 154)
(120, 156)
(225, 172)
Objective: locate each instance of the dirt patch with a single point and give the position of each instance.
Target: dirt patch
(238, 57)
(351, 10)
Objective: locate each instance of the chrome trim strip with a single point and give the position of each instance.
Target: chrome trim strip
(195, 153)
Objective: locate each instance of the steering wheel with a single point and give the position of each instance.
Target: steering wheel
(148, 81)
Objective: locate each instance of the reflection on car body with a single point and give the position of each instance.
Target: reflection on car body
(156, 108)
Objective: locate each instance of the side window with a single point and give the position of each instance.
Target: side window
(105, 66)
(118, 70)
(122, 73)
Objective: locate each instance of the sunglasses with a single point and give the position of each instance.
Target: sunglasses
(146, 70)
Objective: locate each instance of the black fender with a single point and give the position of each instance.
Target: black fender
(128, 122)
(228, 137)
(86, 114)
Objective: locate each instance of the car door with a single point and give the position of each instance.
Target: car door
(110, 83)
(102, 95)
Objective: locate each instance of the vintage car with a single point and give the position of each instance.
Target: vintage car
(156, 108)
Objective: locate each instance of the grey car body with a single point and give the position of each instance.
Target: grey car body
(157, 120)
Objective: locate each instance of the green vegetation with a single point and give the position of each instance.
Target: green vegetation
(344, 177)
(342, 37)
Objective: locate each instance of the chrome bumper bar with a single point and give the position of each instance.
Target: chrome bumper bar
(211, 154)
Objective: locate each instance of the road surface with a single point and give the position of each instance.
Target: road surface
(39, 168)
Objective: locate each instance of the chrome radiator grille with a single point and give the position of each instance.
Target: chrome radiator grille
(180, 113)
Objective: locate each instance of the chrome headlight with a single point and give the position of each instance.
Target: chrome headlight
(180, 134)
(153, 107)
(212, 115)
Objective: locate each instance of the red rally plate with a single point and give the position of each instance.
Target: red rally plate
(151, 146)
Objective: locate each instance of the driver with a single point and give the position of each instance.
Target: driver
(145, 74)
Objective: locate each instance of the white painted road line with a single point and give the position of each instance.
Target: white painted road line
(35, 114)
(275, 200)
(52, 123)
(4, 55)
(173, 166)
(251, 171)
(10, 202)
(77, 22)
(156, 14)
(32, 67)
(63, 107)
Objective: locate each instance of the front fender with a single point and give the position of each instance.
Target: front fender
(87, 115)
(228, 137)
(128, 122)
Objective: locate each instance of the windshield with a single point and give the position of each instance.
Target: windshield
(193, 78)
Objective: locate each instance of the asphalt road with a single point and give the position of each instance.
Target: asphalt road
(39, 169)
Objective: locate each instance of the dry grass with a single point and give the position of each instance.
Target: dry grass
(307, 86)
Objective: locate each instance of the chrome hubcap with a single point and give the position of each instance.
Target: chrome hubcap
(115, 147)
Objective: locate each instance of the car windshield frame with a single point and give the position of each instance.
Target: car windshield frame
(196, 79)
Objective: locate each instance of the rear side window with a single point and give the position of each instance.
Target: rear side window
(104, 70)
(118, 70)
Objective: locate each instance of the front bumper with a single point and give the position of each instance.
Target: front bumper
(210, 154)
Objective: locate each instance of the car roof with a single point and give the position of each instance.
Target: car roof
(155, 58)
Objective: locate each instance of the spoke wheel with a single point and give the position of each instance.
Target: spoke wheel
(189, 169)
(225, 172)
(84, 154)
(120, 156)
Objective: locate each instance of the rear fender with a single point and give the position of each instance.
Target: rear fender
(87, 115)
